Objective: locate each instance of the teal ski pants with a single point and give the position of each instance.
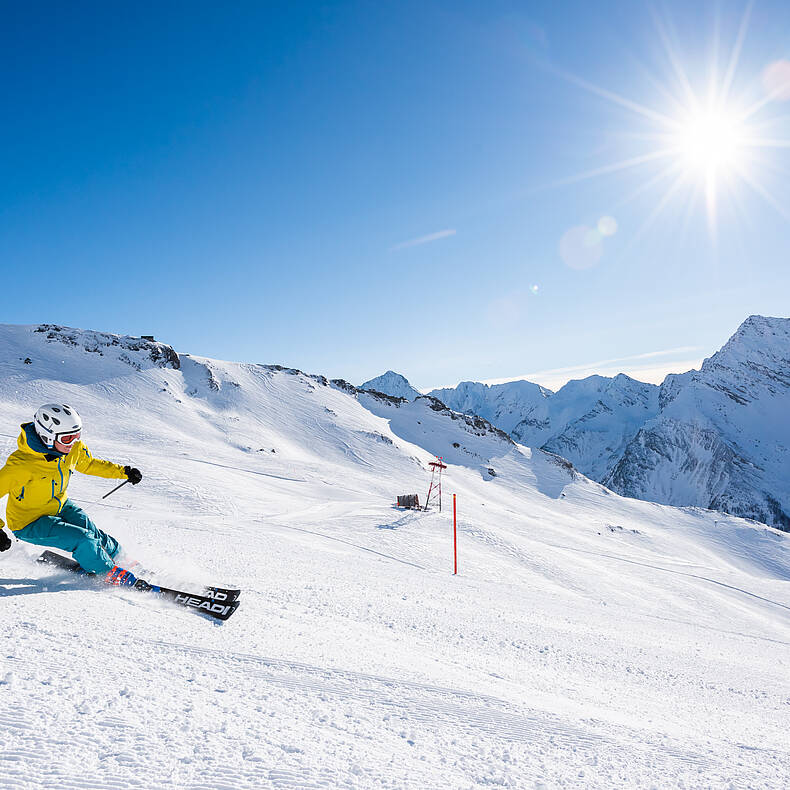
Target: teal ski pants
(71, 530)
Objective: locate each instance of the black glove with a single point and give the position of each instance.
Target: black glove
(5, 541)
(134, 475)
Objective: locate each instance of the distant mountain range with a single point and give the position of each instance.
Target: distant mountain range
(716, 438)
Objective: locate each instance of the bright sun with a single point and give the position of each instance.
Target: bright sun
(704, 142)
(711, 142)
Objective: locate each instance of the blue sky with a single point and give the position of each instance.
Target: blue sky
(347, 187)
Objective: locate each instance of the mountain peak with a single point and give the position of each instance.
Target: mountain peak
(756, 356)
(392, 383)
(721, 437)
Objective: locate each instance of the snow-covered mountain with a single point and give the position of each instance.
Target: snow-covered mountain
(391, 383)
(504, 405)
(589, 422)
(722, 437)
(717, 438)
(588, 639)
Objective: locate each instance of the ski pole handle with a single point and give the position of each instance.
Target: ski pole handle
(121, 485)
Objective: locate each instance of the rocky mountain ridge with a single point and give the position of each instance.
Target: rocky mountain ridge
(721, 439)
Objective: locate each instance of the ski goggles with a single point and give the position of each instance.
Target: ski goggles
(68, 439)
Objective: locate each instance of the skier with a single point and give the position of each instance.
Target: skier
(36, 476)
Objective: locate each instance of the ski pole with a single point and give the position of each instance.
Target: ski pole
(121, 485)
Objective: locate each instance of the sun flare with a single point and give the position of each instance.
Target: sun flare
(703, 137)
(711, 141)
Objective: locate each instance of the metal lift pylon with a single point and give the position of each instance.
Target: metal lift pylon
(435, 488)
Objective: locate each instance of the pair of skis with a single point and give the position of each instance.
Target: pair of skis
(216, 602)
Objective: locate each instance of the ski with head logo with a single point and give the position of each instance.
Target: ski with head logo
(218, 603)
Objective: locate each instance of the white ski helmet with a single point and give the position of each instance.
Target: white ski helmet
(54, 420)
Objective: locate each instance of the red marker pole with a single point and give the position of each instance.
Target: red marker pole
(455, 542)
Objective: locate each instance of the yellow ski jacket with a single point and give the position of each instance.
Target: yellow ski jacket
(36, 479)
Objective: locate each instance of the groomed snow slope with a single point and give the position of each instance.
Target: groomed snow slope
(588, 640)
